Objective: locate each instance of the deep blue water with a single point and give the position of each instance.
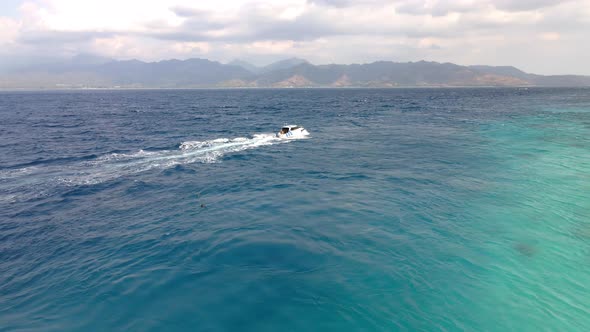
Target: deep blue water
(407, 209)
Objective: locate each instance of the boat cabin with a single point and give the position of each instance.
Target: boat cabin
(286, 129)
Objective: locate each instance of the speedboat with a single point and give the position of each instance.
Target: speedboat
(292, 131)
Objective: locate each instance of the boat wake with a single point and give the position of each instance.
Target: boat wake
(37, 181)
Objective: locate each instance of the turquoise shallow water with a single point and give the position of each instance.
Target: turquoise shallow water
(540, 202)
(410, 209)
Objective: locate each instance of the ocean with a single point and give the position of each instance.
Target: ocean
(405, 210)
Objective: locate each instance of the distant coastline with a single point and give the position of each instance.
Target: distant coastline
(91, 73)
(524, 88)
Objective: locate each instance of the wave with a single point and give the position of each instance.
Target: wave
(35, 181)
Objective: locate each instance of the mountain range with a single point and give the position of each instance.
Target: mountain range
(88, 71)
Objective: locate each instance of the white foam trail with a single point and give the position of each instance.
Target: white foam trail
(30, 182)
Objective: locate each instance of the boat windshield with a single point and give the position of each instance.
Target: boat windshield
(285, 130)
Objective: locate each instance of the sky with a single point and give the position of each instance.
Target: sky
(542, 36)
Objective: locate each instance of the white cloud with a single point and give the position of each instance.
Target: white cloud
(463, 31)
(8, 31)
(551, 36)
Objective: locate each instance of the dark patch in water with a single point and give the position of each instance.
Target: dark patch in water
(525, 249)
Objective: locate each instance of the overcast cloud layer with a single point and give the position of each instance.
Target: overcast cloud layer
(543, 36)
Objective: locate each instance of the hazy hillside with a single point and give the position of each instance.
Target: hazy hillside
(279, 65)
(97, 72)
